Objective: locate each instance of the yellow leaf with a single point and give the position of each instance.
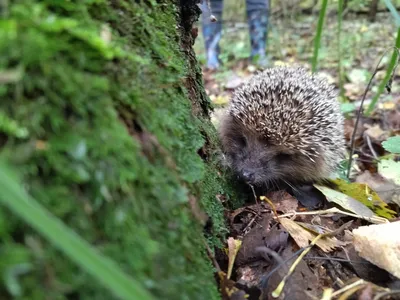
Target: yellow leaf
(233, 249)
(363, 29)
(364, 194)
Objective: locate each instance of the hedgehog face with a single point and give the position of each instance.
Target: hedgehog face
(259, 162)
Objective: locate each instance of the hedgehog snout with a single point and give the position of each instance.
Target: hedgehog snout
(248, 176)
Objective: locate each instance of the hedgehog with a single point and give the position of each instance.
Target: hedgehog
(284, 125)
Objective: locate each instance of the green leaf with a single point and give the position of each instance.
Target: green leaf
(390, 169)
(358, 76)
(345, 201)
(347, 107)
(78, 250)
(363, 193)
(392, 144)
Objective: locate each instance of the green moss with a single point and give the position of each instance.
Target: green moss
(110, 147)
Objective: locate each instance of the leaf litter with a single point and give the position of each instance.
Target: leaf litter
(278, 249)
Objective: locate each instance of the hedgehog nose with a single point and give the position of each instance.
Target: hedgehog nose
(248, 176)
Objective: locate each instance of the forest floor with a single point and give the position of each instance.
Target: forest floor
(264, 242)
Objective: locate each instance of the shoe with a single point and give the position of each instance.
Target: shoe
(258, 26)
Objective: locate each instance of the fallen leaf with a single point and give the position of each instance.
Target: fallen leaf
(376, 133)
(387, 190)
(233, 249)
(220, 100)
(347, 107)
(390, 169)
(228, 289)
(363, 28)
(387, 105)
(358, 76)
(367, 196)
(346, 202)
(385, 239)
(302, 236)
(392, 144)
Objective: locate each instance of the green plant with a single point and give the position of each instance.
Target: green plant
(317, 39)
(392, 144)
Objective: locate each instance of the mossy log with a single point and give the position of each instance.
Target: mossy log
(104, 114)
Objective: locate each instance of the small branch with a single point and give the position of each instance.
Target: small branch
(360, 110)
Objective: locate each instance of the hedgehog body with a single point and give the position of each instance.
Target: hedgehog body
(284, 124)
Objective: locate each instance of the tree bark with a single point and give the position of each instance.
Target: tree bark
(118, 145)
(373, 8)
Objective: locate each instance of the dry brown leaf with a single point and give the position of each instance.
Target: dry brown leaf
(376, 133)
(303, 236)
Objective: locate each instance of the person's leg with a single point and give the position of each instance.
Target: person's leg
(257, 18)
(212, 31)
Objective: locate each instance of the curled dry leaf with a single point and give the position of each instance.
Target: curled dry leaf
(233, 249)
(302, 236)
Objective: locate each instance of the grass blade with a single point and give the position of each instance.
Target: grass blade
(388, 75)
(317, 40)
(340, 65)
(393, 11)
(78, 250)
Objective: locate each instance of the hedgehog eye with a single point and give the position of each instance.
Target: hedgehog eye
(282, 157)
(241, 141)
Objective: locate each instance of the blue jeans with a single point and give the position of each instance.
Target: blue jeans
(217, 6)
(257, 16)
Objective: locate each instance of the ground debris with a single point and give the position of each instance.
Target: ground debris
(385, 239)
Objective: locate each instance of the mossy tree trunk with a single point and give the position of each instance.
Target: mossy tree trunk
(104, 114)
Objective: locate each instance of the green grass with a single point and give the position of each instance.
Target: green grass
(76, 249)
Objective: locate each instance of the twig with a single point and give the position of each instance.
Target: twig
(280, 264)
(211, 256)
(276, 293)
(348, 287)
(250, 223)
(336, 259)
(264, 198)
(360, 110)
(392, 292)
(333, 210)
(265, 251)
(370, 146)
